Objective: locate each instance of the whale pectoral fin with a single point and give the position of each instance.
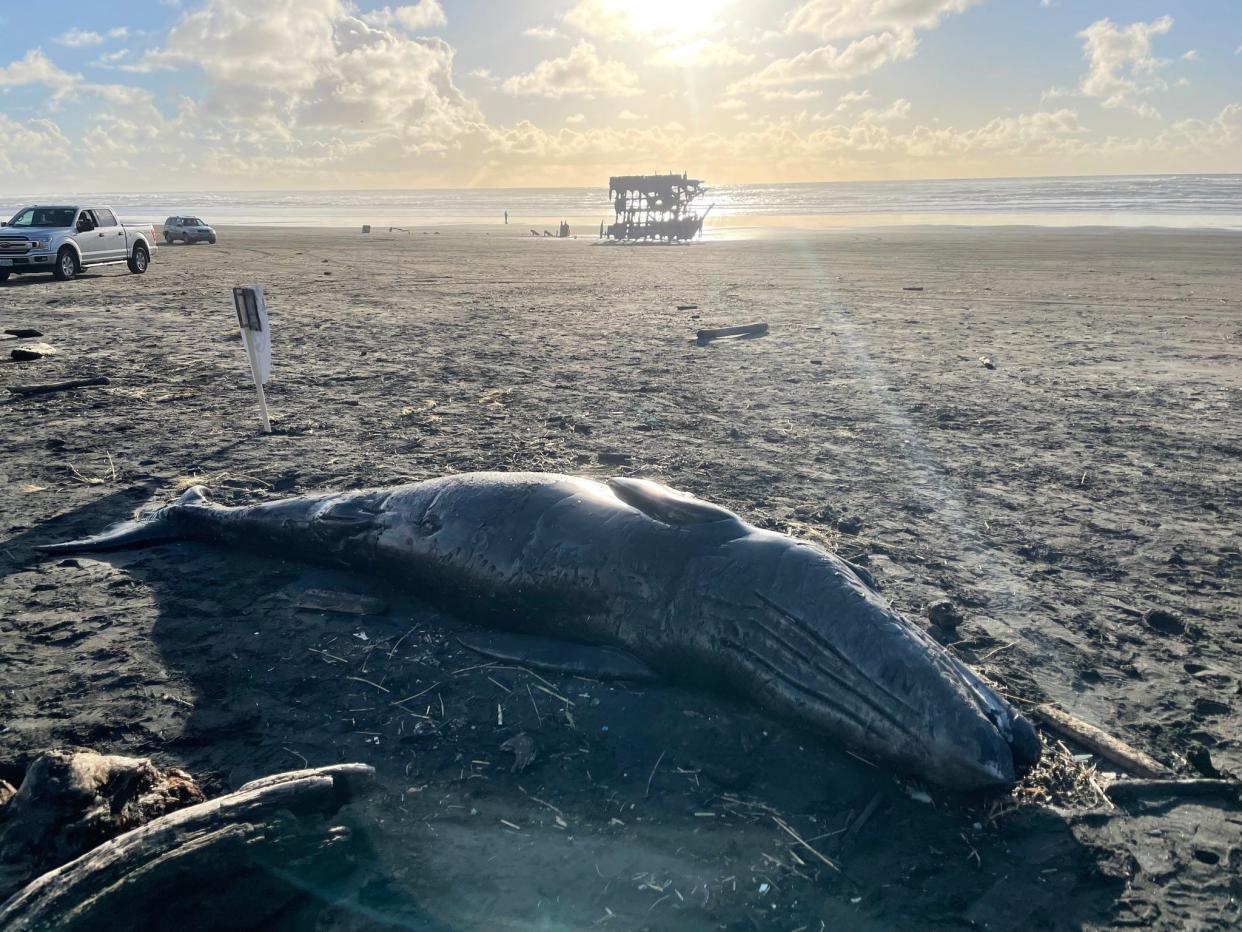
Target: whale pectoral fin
(666, 505)
(864, 574)
(604, 663)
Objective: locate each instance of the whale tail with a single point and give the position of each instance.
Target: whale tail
(156, 527)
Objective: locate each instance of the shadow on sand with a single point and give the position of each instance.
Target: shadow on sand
(660, 808)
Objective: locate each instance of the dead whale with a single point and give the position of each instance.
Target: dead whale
(629, 578)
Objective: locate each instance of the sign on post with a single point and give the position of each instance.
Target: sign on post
(252, 319)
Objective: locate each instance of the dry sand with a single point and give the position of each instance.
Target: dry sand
(1090, 477)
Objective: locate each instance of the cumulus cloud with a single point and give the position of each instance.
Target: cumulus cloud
(704, 53)
(30, 145)
(313, 64)
(841, 19)
(1121, 64)
(605, 19)
(804, 94)
(581, 73)
(899, 109)
(37, 68)
(78, 38)
(831, 63)
(543, 32)
(426, 14)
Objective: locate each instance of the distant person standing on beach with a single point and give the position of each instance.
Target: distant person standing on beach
(506, 218)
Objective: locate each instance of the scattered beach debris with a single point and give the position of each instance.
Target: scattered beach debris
(944, 614)
(1100, 742)
(349, 603)
(56, 386)
(849, 524)
(687, 307)
(614, 458)
(745, 330)
(986, 362)
(524, 750)
(249, 842)
(912, 288)
(31, 351)
(24, 333)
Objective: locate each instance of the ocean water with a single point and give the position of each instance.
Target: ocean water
(1186, 201)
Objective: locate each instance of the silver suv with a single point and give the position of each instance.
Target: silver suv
(188, 230)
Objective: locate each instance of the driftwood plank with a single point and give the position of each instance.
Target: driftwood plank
(753, 330)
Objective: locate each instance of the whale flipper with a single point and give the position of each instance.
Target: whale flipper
(604, 663)
(864, 574)
(666, 505)
(156, 527)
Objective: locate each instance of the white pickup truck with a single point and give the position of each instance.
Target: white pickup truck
(66, 240)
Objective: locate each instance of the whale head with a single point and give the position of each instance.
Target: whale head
(799, 629)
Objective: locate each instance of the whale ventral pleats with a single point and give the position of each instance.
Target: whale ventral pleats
(666, 505)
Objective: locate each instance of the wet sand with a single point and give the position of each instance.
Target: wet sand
(1089, 478)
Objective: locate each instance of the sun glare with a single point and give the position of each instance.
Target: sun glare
(669, 23)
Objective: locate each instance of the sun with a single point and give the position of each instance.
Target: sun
(669, 22)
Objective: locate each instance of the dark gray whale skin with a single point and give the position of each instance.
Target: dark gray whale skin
(689, 589)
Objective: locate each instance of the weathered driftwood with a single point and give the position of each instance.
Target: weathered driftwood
(72, 800)
(750, 330)
(56, 386)
(231, 863)
(1100, 742)
(1134, 789)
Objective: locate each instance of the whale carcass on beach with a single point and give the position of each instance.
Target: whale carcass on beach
(628, 578)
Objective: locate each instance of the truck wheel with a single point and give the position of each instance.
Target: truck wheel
(66, 264)
(212, 241)
(4, 276)
(138, 261)
(168, 238)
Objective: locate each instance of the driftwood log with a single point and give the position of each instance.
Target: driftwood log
(232, 863)
(56, 386)
(1137, 789)
(745, 330)
(73, 800)
(1101, 742)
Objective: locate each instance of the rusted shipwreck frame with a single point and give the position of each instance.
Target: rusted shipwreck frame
(655, 207)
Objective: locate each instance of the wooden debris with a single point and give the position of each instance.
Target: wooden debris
(349, 603)
(24, 333)
(1132, 789)
(72, 800)
(55, 386)
(1100, 742)
(912, 288)
(247, 843)
(785, 827)
(748, 330)
(524, 750)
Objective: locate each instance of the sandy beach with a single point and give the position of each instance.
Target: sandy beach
(1079, 501)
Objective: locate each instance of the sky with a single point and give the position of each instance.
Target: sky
(168, 95)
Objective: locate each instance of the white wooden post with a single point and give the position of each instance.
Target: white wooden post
(252, 319)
